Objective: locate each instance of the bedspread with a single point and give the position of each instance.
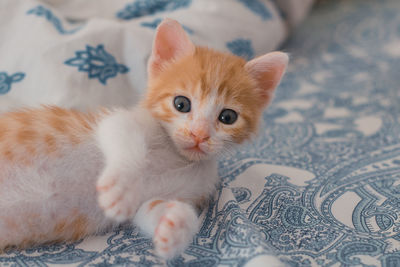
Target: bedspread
(82, 54)
(320, 186)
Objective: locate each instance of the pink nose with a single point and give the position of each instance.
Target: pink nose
(199, 136)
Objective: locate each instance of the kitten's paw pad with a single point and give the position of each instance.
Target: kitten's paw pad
(119, 202)
(175, 229)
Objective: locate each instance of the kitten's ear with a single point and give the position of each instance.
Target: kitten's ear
(268, 71)
(170, 43)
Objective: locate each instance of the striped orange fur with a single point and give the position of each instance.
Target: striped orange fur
(27, 133)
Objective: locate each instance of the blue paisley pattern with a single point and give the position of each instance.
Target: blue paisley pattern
(141, 8)
(321, 184)
(97, 63)
(7, 80)
(42, 11)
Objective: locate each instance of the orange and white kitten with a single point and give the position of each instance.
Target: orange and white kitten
(66, 174)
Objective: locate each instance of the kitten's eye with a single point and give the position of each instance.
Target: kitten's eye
(227, 116)
(182, 104)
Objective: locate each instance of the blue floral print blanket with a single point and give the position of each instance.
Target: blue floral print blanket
(321, 184)
(82, 54)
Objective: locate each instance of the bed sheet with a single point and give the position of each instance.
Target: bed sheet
(330, 154)
(84, 54)
(320, 186)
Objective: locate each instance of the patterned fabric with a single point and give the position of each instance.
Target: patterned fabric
(321, 185)
(241, 47)
(258, 8)
(97, 63)
(42, 11)
(336, 125)
(141, 8)
(103, 45)
(6, 81)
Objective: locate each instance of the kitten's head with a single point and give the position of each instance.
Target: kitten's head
(207, 100)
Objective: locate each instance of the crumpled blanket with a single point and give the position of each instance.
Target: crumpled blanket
(82, 54)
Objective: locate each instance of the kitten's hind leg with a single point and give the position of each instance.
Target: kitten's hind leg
(172, 224)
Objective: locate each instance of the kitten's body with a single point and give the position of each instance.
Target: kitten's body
(48, 178)
(49, 196)
(66, 174)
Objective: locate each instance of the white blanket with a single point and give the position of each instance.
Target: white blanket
(82, 54)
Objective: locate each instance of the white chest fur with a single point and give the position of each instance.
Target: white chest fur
(135, 145)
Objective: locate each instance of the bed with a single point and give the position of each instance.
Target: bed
(320, 186)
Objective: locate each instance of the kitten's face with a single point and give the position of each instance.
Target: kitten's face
(207, 100)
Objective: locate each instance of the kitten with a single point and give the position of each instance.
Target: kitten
(65, 174)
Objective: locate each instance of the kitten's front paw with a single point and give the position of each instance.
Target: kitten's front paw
(175, 229)
(117, 198)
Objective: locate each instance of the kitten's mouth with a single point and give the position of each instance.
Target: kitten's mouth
(194, 153)
(195, 148)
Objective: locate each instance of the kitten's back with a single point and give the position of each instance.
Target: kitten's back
(29, 134)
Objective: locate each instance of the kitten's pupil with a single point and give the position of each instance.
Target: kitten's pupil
(227, 116)
(182, 104)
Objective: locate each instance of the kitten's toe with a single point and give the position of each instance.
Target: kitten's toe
(109, 193)
(175, 229)
(118, 205)
(117, 201)
(120, 213)
(106, 183)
